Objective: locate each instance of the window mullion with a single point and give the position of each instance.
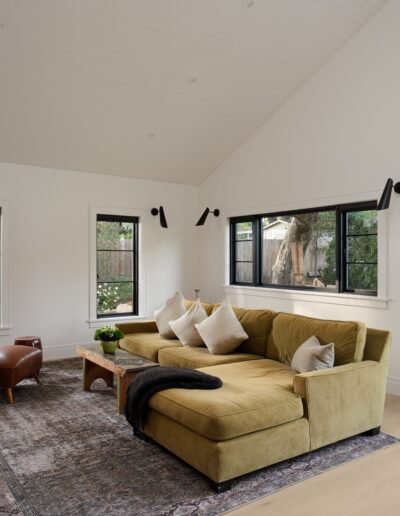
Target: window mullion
(340, 250)
(257, 251)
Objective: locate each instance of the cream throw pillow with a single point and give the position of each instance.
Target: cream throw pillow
(172, 309)
(184, 327)
(222, 332)
(311, 356)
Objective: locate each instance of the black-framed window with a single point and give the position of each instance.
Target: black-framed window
(117, 265)
(330, 248)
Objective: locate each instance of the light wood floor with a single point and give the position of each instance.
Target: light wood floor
(367, 486)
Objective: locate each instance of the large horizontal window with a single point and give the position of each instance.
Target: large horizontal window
(332, 248)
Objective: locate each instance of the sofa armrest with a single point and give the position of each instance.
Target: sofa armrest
(342, 401)
(138, 327)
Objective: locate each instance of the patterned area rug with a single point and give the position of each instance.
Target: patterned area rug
(66, 452)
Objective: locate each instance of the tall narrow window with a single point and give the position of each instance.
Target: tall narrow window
(242, 241)
(116, 265)
(360, 262)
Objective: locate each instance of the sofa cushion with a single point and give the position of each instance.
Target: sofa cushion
(255, 395)
(184, 327)
(172, 309)
(147, 345)
(257, 323)
(199, 357)
(222, 333)
(311, 356)
(289, 331)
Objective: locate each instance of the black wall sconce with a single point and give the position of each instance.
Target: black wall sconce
(384, 201)
(204, 216)
(163, 220)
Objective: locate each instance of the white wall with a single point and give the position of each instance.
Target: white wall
(336, 139)
(49, 247)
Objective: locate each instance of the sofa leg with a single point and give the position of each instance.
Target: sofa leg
(221, 487)
(373, 431)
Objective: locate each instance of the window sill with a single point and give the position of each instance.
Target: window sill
(105, 321)
(5, 330)
(332, 298)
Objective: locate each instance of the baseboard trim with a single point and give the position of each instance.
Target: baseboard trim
(62, 351)
(393, 385)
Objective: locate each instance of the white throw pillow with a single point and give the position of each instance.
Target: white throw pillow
(172, 309)
(184, 327)
(222, 332)
(311, 356)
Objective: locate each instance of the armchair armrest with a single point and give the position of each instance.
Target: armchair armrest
(342, 401)
(138, 327)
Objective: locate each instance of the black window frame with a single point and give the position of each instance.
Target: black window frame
(103, 217)
(341, 211)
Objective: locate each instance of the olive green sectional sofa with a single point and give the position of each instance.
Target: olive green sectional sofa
(265, 412)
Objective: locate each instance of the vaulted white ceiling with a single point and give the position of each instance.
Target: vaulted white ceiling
(155, 89)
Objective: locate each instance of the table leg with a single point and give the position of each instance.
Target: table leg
(122, 386)
(10, 397)
(92, 372)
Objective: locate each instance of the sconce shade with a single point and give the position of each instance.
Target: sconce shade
(203, 218)
(384, 201)
(163, 220)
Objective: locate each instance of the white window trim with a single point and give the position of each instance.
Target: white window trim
(93, 320)
(5, 326)
(380, 301)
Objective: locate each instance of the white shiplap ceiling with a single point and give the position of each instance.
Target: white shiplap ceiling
(155, 89)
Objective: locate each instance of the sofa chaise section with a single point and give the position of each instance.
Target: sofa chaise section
(253, 420)
(254, 396)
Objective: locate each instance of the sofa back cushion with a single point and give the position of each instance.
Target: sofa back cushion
(289, 331)
(257, 323)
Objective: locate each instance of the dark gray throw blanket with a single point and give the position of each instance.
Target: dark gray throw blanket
(150, 381)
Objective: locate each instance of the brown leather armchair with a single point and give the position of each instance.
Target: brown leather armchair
(16, 364)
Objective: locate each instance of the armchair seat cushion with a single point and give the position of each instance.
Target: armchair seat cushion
(147, 345)
(199, 357)
(255, 395)
(18, 363)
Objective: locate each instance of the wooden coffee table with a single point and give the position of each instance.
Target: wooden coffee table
(97, 364)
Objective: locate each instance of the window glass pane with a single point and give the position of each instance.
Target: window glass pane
(362, 249)
(244, 272)
(244, 231)
(361, 222)
(244, 251)
(362, 277)
(300, 250)
(114, 298)
(114, 266)
(114, 235)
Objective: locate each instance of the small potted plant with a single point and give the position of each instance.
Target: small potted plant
(109, 338)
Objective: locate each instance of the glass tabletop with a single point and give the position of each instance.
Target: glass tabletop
(122, 358)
